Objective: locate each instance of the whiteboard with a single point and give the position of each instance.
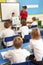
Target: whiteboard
(8, 8)
(11, 0)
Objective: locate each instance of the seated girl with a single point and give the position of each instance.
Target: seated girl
(36, 45)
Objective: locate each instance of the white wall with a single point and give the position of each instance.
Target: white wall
(37, 16)
(1, 26)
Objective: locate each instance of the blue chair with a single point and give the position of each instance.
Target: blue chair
(27, 38)
(7, 39)
(32, 63)
(33, 26)
(41, 33)
(23, 63)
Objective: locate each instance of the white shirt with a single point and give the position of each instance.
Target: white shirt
(37, 46)
(25, 31)
(7, 33)
(34, 23)
(17, 55)
(15, 20)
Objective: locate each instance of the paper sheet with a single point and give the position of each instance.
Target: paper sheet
(3, 53)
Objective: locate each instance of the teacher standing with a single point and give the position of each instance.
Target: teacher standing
(23, 14)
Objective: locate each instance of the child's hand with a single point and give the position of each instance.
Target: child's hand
(9, 51)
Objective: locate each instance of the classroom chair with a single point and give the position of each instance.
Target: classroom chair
(23, 63)
(33, 26)
(27, 38)
(32, 63)
(7, 39)
(41, 32)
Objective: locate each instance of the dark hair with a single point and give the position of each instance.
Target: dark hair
(17, 42)
(25, 7)
(34, 18)
(35, 34)
(7, 23)
(13, 13)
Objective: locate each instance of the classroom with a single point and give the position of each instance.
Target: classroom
(21, 32)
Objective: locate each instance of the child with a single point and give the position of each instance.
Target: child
(23, 13)
(36, 45)
(15, 19)
(24, 29)
(34, 21)
(7, 32)
(17, 55)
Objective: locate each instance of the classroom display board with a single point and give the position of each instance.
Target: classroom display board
(8, 8)
(33, 6)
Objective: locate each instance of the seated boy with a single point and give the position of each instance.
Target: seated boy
(7, 32)
(17, 55)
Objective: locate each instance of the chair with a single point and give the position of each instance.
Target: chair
(27, 38)
(41, 33)
(7, 39)
(33, 26)
(23, 63)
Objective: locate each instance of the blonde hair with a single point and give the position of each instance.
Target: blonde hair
(17, 42)
(35, 34)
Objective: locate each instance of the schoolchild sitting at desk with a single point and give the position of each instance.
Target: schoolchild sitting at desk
(34, 22)
(7, 32)
(24, 29)
(17, 55)
(36, 45)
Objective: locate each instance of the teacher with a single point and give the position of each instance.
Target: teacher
(23, 14)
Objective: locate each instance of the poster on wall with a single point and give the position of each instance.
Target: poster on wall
(33, 6)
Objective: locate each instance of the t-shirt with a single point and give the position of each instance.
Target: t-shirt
(37, 46)
(15, 20)
(25, 31)
(7, 33)
(34, 23)
(17, 55)
(24, 14)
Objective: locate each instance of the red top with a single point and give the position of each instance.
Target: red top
(23, 14)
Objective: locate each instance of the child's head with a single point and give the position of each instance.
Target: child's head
(24, 8)
(17, 42)
(7, 23)
(35, 34)
(34, 18)
(13, 14)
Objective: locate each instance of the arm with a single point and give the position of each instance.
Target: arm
(8, 55)
(31, 46)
